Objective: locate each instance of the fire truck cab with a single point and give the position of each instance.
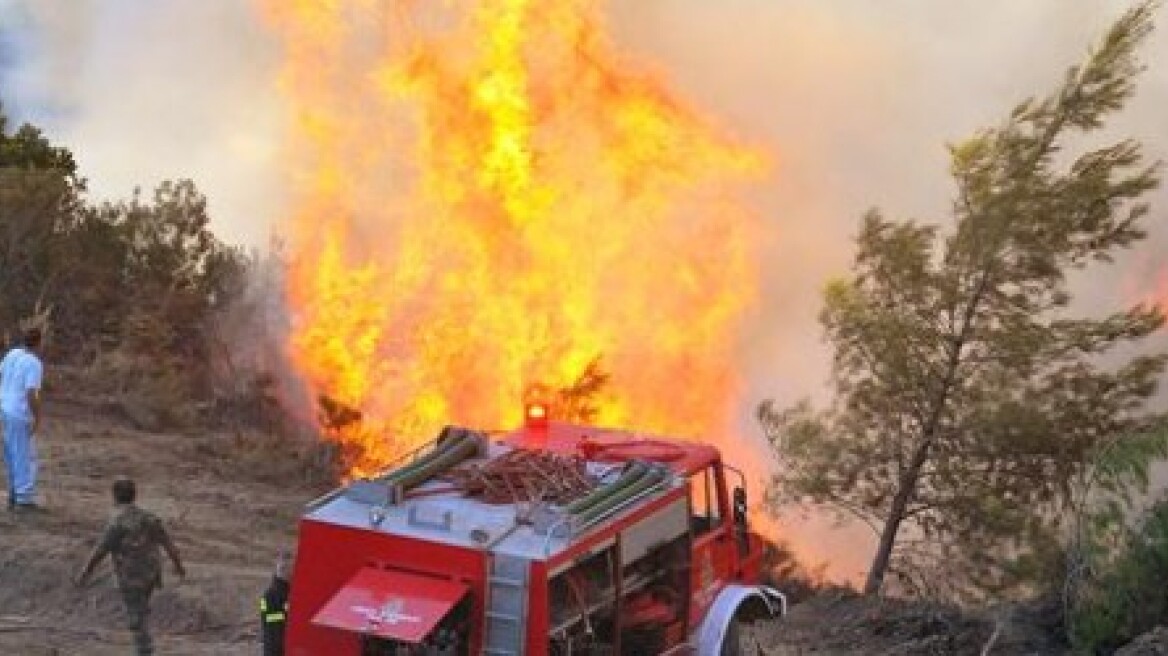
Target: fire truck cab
(654, 556)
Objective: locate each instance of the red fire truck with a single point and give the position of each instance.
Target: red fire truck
(650, 552)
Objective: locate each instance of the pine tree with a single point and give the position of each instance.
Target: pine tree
(969, 396)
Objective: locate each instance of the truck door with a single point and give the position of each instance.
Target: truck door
(713, 557)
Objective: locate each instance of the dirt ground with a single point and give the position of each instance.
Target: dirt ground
(230, 517)
(232, 503)
(228, 525)
(842, 623)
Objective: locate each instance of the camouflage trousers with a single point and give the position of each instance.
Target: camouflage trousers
(137, 602)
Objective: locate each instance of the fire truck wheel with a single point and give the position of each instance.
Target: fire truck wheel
(732, 642)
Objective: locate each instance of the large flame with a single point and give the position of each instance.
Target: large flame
(489, 198)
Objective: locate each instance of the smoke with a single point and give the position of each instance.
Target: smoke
(33, 71)
(147, 91)
(858, 100)
(855, 99)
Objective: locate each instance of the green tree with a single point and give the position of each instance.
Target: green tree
(27, 148)
(150, 282)
(154, 274)
(39, 195)
(176, 266)
(134, 287)
(969, 397)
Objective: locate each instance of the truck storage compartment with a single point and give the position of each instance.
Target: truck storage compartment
(400, 613)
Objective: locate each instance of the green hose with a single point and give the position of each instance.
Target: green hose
(456, 452)
(651, 478)
(631, 473)
(413, 465)
(425, 462)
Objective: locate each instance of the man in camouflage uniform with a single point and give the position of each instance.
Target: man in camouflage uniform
(134, 537)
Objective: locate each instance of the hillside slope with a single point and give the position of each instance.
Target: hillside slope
(231, 510)
(228, 526)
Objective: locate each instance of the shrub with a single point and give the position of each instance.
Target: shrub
(1126, 595)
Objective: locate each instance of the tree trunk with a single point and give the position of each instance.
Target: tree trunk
(904, 491)
(907, 485)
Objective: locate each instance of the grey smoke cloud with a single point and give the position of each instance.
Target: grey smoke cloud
(145, 90)
(856, 99)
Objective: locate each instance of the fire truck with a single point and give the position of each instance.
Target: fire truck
(552, 539)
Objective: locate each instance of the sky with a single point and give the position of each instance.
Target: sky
(855, 100)
(145, 90)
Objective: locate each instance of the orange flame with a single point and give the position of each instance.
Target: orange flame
(489, 197)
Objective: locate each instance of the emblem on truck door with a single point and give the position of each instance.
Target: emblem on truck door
(389, 613)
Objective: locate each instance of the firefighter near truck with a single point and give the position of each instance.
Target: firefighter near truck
(549, 540)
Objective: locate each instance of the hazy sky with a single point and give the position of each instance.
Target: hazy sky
(144, 90)
(856, 99)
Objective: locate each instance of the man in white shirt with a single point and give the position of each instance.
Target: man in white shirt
(20, 410)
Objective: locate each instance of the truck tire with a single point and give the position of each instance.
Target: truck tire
(732, 642)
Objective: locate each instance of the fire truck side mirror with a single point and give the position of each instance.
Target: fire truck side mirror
(740, 506)
(741, 530)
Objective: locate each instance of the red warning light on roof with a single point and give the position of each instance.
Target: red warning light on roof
(536, 415)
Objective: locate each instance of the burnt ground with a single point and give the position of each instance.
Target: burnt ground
(231, 501)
